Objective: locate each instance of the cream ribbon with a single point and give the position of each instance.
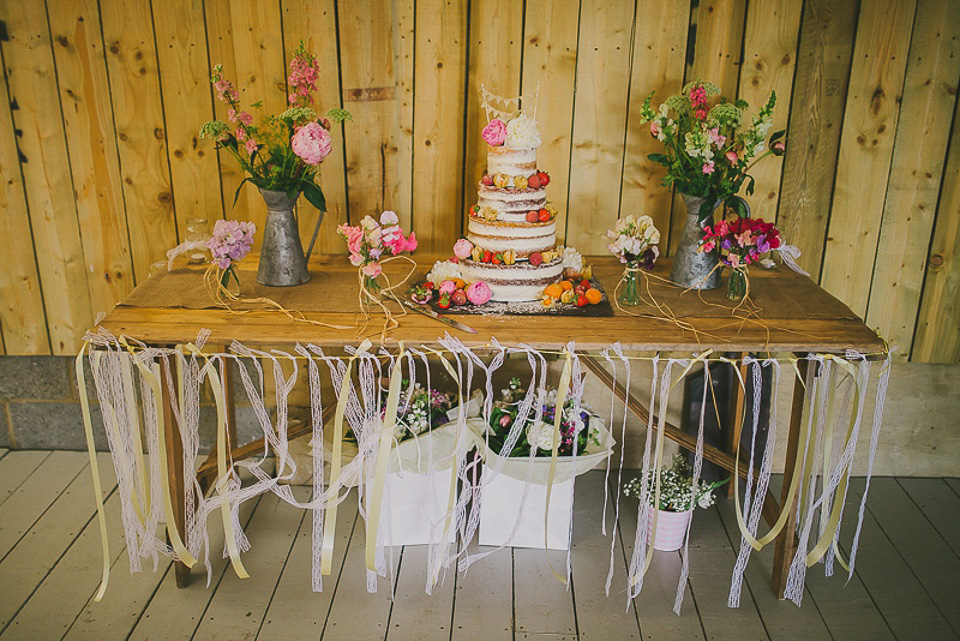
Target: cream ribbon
(336, 463)
(383, 459)
(562, 391)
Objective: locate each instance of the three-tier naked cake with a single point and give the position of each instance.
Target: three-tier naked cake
(512, 228)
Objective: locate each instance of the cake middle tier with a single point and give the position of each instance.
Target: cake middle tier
(520, 237)
(513, 204)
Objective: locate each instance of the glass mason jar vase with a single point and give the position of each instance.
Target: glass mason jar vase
(737, 286)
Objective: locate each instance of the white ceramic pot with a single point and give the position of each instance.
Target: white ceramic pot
(671, 528)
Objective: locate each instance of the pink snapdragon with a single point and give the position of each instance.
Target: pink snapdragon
(495, 133)
(231, 241)
(311, 143)
(304, 72)
(708, 167)
(716, 137)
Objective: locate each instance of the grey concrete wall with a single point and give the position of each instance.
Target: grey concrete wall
(39, 408)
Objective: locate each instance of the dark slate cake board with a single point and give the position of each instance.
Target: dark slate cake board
(531, 308)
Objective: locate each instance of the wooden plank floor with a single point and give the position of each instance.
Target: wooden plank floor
(905, 585)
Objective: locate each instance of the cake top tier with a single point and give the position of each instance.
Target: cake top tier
(519, 132)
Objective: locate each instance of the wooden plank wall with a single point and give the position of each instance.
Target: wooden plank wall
(101, 166)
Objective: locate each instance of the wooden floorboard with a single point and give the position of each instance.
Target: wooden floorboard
(16, 467)
(904, 587)
(41, 548)
(940, 506)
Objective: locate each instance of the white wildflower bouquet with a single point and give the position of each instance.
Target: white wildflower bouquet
(676, 487)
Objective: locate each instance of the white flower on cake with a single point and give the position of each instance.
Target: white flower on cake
(444, 270)
(522, 133)
(572, 260)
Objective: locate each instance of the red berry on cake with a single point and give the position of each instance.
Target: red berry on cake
(497, 259)
(533, 182)
(533, 216)
(487, 256)
(544, 216)
(459, 297)
(535, 258)
(487, 180)
(544, 178)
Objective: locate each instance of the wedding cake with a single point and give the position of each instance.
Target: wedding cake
(512, 228)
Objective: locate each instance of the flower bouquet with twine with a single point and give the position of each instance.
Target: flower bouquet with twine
(635, 244)
(709, 150)
(741, 241)
(371, 245)
(231, 241)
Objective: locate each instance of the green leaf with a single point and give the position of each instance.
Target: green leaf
(706, 210)
(750, 185)
(777, 135)
(663, 159)
(237, 195)
(314, 195)
(293, 192)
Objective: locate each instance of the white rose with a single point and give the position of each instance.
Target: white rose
(522, 133)
(444, 270)
(572, 259)
(540, 435)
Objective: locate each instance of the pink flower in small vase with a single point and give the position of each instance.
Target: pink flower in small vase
(708, 167)
(462, 248)
(478, 292)
(372, 270)
(495, 132)
(311, 143)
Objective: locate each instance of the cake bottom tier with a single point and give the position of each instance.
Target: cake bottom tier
(513, 283)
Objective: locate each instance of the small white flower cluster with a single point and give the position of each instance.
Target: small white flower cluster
(522, 133)
(444, 270)
(632, 237)
(676, 488)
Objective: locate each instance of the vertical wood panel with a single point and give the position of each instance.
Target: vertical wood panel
(813, 140)
(315, 23)
(141, 134)
(717, 52)
(440, 67)
(659, 50)
(21, 305)
(404, 41)
(599, 122)
(866, 146)
(550, 60)
(370, 92)
(88, 122)
(938, 324)
(929, 96)
(496, 39)
(769, 52)
(46, 173)
(185, 81)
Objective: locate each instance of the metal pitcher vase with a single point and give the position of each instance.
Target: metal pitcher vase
(282, 261)
(691, 268)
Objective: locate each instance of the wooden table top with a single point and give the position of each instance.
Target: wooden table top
(795, 315)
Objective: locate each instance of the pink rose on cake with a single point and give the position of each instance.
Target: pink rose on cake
(495, 133)
(462, 248)
(478, 292)
(311, 143)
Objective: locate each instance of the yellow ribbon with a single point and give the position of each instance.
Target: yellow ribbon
(383, 460)
(336, 462)
(210, 372)
(562, 390)
(95, 470)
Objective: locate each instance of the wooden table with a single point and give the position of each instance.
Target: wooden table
(798, 316)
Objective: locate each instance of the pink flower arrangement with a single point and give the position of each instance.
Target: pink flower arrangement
(495, 133)
(231, 241)
(369, 241)
(741, 240)
(311, 143)
(278, 152)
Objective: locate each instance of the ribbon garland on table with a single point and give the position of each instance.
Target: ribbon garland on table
(133, 426)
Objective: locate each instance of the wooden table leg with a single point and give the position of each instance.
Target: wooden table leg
(174, 463)
(786, 545)
(737, 409)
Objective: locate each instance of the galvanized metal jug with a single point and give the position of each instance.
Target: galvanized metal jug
(691, 268)
(282, 261)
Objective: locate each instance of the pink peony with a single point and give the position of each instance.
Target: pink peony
(447, 287)
(495, 132)
(372, 270)
(311, 143)
(462, 248)
(478, 293)
(708, 167)
(732, 157)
